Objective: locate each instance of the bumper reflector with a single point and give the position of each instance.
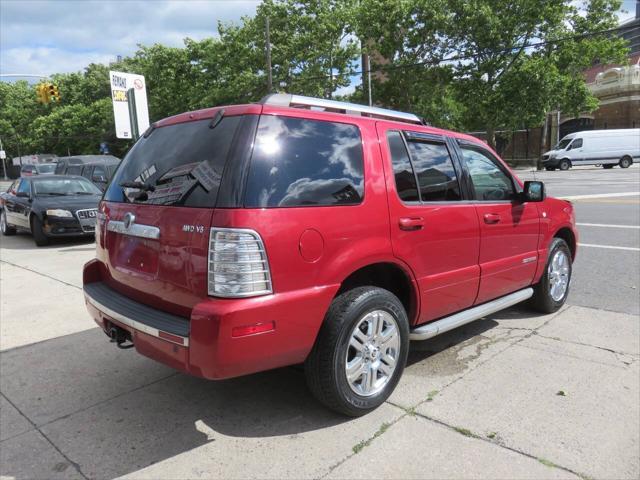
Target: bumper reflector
(253, 329)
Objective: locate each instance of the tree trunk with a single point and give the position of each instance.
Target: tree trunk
(543, 141)
(491, 137)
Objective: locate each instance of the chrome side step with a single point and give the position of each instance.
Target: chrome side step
(445, 324)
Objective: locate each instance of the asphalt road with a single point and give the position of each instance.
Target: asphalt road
(607, 269)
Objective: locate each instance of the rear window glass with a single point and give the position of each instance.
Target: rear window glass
(74, 169)
(298, 162)
(178, 165)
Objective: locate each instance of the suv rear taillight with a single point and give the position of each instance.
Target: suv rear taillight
(238, 265)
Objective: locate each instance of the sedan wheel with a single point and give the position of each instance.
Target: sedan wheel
(5, 228)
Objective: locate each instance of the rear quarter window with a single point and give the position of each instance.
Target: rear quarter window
(299, 162)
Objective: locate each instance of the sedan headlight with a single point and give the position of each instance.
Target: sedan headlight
(57, 212)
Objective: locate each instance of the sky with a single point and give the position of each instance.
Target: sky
(42, 37)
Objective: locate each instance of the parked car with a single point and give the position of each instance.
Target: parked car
(73, 165)
(101, 172)
(49, 206)
(37, 169)
(245, 238)
(595, 147)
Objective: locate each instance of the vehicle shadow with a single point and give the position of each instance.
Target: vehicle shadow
(102, 400)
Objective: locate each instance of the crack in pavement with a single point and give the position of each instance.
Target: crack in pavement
(498, 444)
(610, 350)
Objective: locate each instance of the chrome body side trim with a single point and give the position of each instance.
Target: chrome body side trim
(133, 323)
(445, 324)
(134, 229)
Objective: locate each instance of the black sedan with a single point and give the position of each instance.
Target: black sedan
(50, 206)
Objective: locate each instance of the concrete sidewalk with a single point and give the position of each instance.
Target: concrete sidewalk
(515, 395)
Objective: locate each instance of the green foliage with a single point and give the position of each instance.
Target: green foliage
(460, 64)
(491, 78)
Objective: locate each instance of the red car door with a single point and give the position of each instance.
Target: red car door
(432, 229)
(509, 228)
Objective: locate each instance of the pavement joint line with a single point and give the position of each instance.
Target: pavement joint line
(607, 225)
(41, 274)
(473, 435)
(369, 440)
(610, 247)
(55, 447)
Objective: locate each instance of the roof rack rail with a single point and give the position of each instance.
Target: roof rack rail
(299, 101)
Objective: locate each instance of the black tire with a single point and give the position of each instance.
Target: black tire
(550, 169)
(564, 164)
(6, 229)
(608, 166)
(325, 366)
(542, 299)
(625, 162)
(39, 236)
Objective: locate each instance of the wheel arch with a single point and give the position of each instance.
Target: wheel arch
(566, 234)
(391, 276)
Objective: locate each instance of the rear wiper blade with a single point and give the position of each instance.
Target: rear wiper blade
(139, 186)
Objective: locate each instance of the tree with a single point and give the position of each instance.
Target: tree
(502, 82)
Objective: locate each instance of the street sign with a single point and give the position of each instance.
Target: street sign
(130, 110)
(3, 155)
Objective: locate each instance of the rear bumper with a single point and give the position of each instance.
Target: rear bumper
(203, 345)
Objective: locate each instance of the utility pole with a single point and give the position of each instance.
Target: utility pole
(268, 42)
(369, 79)
(4, 165)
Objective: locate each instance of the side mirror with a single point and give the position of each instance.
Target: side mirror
(533, 192)
(22, 194)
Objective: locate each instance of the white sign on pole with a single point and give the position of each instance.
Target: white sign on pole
(3, 155)
(122, 85)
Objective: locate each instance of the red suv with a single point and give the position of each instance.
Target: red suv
(298, 230)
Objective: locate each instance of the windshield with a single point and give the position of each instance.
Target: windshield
(563, 144)
(178, 164)
(46, 168)
(65, 186)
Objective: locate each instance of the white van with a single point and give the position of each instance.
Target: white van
(595, 147)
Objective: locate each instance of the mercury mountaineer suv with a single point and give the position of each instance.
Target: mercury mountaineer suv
(298, 230)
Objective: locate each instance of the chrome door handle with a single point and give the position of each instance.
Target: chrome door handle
(491, 218)
(411, 223)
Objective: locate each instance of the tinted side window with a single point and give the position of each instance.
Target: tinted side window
(24, 186)
(577, 143)
(402, 169)
(86, 171)
(299, 162)
(489, 181)
(437, 177)
(74, 170)
(99, 171)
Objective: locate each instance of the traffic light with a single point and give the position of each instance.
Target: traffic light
(42, 94)
(52, 92)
